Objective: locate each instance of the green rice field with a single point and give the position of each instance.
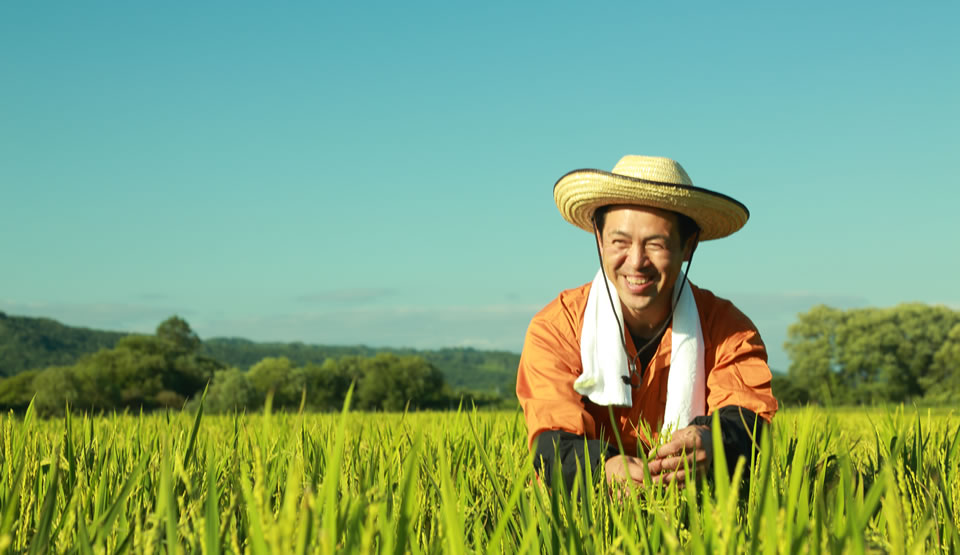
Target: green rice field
(825, 481)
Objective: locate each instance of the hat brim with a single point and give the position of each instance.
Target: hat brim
(579, 193)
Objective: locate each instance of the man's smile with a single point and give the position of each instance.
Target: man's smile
(638, 284)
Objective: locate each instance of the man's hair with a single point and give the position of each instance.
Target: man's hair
(685, 224)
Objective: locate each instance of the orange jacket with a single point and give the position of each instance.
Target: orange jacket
(736, 366)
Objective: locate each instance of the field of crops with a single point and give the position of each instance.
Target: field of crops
(824, 481)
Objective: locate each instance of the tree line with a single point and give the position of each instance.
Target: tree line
(462, 367)
(168, 370)
(37, 343)
(907, 353)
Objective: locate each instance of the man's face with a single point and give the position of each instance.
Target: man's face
(642, 255)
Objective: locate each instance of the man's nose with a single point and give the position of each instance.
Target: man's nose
(637, 256)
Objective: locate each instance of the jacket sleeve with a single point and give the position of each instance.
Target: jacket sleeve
(739, 431)
(549, 364)
(739, 376)
(564, 452)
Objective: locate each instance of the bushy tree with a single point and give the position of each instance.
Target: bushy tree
(230, 391)
(326, 384)
(56, 387)
(885, 353)
(390, 382)
(141, 371)
(120, 378)
(180, 338)
(814, 353)
(942, 383)
(17, 391)
(275, 375)
(872, 355)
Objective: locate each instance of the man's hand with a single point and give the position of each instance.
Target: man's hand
(621, 468)
(692, 445)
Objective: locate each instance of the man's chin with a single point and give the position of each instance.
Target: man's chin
(645, 309)
(638, 309)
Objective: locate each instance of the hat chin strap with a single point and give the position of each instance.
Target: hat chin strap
(632, 369)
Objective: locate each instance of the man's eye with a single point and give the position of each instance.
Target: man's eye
(656, 246)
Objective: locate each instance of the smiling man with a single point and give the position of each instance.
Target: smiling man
(640, 352)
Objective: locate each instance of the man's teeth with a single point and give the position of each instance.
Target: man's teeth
(637, 281)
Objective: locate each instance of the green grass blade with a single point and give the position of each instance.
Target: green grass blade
(83, 537)
(331, 481)
(258, 543)
(42, 537)
(485, 460)
(212, 522)
(167, 503)
(12, 505)
(105, 523)
(192, 443)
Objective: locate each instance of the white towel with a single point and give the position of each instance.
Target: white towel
(605, 362)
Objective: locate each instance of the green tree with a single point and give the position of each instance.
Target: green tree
(120, 377)
(146, 371)
(389, 382)
(177, 333)
(814, 353)
(886, 353)
(326, 384)
(230, 391)
(275, 374)
(56, 386)
(942, 383)
(872, 355)
(17, 391)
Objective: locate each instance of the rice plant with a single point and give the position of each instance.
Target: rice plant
(825, 481)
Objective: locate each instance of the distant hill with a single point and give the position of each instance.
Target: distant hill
(33, 343)
(29, 343)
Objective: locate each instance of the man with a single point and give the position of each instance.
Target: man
(640, 343)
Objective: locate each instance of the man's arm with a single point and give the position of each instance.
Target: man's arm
(565, 452)
(549, 365)
(692, 447)
(739, 376)
(738, 389)
(561, 432)
(739, 430)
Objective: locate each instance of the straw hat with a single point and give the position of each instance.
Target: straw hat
(647, 181)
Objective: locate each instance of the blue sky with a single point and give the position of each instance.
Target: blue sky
(381, 173)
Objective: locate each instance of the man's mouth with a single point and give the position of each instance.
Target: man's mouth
(639, 285)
